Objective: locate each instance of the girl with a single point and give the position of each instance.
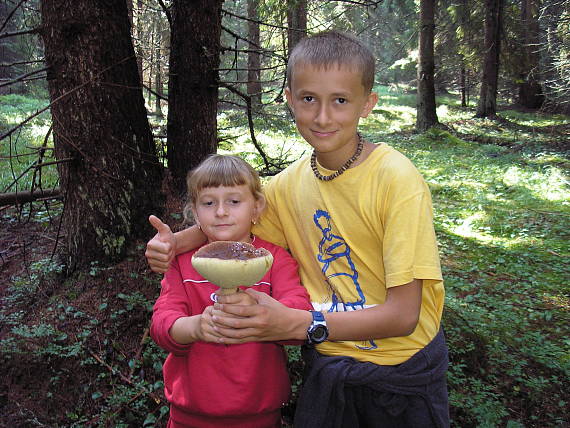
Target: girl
(209, 384)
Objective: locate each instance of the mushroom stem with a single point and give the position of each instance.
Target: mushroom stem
(230, 290)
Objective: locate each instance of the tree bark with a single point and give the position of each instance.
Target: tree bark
(530, 90)
(193, 85)
(296, 22)
(253, 56)
(99, 121)
(487, 104)
(426, 108)
(463, 87)
(8, 51)
(158, 66)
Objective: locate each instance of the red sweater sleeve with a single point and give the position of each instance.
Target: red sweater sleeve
(173, 303)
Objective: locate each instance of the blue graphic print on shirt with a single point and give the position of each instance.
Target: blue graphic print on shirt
(333, 248)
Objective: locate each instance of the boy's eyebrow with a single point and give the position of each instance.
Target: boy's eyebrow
(339, 94)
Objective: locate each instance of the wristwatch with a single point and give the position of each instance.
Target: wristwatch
(317, 331)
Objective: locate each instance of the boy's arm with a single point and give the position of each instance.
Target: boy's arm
(270, 321)
(165, 245)
(397, 316)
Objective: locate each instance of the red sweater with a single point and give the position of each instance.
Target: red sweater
(213, 385)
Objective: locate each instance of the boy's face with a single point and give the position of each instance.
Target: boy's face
(328, 104)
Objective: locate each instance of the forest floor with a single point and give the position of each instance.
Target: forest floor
(113, 335)
(29, 394)
(75, 350)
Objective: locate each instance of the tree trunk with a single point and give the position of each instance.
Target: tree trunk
(296, 22)
(158, 66)
(487, 104)
(8, 51)
(193, 85)
(99, 120)
(426, 108)
(530, 90)
(463, 88)
(463, 25)
(138, 31)
(253, 56)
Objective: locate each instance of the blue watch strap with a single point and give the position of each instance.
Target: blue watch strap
(318, 316)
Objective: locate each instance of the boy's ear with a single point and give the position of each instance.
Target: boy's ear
(370, 104)
(288, 97)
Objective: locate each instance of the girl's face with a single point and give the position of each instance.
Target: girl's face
(226, 213)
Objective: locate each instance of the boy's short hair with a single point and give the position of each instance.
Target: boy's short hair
(220, 170)
(333, 48)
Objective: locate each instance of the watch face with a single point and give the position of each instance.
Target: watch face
(319, 334)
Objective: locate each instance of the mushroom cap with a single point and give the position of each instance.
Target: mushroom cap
(229, 264)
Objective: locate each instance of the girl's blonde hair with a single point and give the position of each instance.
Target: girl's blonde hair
(333, 49)
(220, 170)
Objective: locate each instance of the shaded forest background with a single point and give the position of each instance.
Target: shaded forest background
(104, 107)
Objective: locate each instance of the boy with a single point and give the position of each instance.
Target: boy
(358, 219)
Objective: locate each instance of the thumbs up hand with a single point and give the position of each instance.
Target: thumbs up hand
(160, 250)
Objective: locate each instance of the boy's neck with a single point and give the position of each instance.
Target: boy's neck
(335, 161)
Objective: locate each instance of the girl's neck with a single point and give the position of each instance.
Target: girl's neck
(249, 240)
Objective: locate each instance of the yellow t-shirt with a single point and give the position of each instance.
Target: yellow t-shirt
(365, 231)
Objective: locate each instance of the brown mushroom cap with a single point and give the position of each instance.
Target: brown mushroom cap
(229, 264)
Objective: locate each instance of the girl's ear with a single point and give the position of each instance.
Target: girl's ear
(258, 208)
(371, 102)
(195, 216)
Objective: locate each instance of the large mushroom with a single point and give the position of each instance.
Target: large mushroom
(229, 264)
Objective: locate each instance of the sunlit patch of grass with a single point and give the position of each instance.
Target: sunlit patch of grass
(389, 119)
(15, 108)
(535, 119)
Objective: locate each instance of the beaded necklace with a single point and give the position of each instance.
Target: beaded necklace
(343, 168)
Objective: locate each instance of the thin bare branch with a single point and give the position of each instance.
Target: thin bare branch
(13, 64)
(247, 100)
(10, 15)
(20, 33)
(22, 77)
(166, 11)
(62, 96)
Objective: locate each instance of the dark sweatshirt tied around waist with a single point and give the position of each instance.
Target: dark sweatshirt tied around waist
(322, 404)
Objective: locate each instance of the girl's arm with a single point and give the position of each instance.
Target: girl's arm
(174, 326)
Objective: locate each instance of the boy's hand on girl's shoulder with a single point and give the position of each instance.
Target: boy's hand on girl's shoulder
(160, 250)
